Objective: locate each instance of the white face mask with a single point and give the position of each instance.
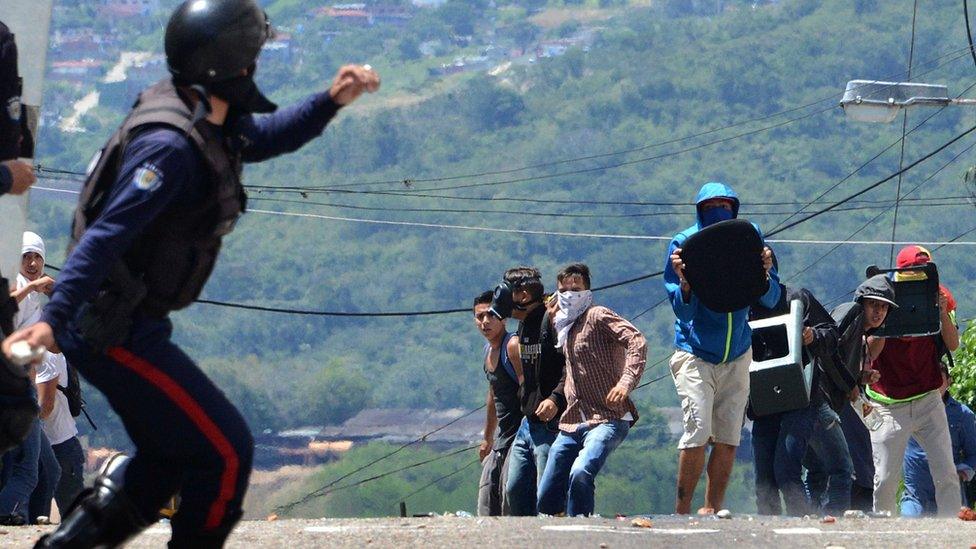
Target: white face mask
(570, 302)
(571, 306)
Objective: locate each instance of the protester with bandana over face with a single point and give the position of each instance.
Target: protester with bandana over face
(711, 363)
(541, 395)
(605, 357)
(908, 398)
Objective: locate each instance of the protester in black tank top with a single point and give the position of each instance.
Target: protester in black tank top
(504, 413)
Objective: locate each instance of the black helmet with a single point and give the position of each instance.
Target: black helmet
(215, 44)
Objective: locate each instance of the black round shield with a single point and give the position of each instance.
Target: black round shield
(723, 265)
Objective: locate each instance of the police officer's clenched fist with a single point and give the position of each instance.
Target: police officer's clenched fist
(351, 81)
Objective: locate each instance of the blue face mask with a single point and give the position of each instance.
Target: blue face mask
(714, 215)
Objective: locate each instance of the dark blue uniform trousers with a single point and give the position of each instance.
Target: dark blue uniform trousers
(189, 438)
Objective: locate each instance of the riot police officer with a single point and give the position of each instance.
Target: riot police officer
(15, 140)
(18, 407)
(158, 200)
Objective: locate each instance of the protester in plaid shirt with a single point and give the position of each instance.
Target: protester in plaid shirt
(605, 357)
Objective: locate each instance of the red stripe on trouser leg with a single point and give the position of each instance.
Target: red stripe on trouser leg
(199, 417)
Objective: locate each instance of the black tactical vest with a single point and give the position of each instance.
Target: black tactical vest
(11, 111)
(176, 253)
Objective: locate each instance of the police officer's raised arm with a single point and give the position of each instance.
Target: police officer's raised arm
(267, 136)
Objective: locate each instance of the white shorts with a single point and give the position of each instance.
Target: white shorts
(713, 398)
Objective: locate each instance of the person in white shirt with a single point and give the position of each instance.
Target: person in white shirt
(30, 471)
(56, 421)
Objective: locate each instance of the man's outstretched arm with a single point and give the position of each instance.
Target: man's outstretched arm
(264, 137)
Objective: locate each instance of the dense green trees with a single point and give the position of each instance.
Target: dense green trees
(628, 102)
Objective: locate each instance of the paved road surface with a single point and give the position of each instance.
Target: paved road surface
(551, 533)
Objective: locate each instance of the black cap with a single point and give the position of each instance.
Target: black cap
(878, 287)
(215, 44)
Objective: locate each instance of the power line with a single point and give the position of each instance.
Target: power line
(331, 488)
(649, 309)
(931, 202)
(552, 233)
(865, 164)
(904, 126)
(628, 162)
(969, 32)
(845, 294)
(878, 203)
(875, 218)
(955, 55)
(873, 185)
(954, 239)
(374, 478)
(326, 489)
(528, 199)
(304, 312)
(660, 238)
(438, 480)
(408, 182)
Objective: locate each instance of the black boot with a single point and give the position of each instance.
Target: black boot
(103, 516)
(213, 539)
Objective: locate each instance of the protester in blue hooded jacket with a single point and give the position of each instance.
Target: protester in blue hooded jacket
(711, 363)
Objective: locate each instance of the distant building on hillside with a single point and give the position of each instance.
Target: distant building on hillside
(79, 43)
(363, 15)
(398, 425)
(315, 445)
(76, 71)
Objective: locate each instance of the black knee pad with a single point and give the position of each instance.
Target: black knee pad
(103, 516)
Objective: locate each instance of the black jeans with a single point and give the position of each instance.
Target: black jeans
(72, 459)
(189, 438)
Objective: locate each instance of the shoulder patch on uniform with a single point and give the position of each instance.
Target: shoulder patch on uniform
(147, 178)
(13, 109)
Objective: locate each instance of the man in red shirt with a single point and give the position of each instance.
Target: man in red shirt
(908, 399)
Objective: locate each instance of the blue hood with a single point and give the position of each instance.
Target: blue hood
(712, 336)
(716, 190)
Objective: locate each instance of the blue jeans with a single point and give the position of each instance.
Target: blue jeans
(48, 473)
(526, 462)
(71, 458)
(779, 442)
(574, 461)
(829, 465)
(914, 506)
(19, 476)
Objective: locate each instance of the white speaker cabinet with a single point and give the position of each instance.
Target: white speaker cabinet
(779, 381)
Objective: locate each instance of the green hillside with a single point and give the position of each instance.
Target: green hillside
(647, 78)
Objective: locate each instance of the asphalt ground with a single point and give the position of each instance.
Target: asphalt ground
(560, 533)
